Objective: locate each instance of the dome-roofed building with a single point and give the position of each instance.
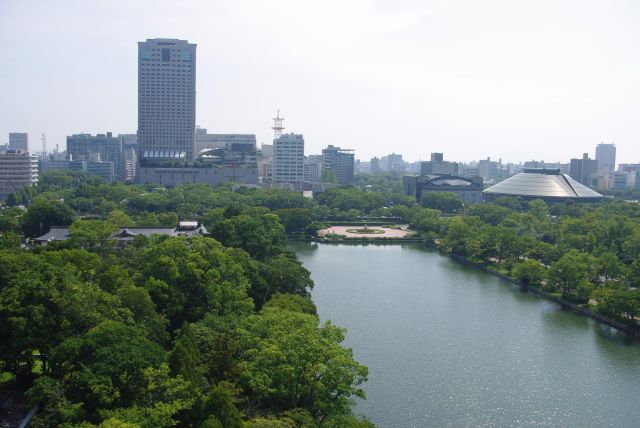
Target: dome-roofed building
(469, 189)
(546, 184)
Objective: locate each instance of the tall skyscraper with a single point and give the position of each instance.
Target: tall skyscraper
(166, 99)
(606, 157)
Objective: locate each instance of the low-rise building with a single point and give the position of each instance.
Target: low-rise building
(625, 180)
(469, 189)
(127, 234)
(172, 176)
(104, 170)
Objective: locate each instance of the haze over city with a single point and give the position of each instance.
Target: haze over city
(520, 81)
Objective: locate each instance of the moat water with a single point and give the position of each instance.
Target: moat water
(450, 346)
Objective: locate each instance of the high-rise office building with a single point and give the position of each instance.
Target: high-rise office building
(166, 99)
(19, 141)
(288, 159)
(109, 147)
(437, 165)
(374, 165)
(394, 163)
(606, 157)
(18, 169)
(312, 168)
(488, 169)
(584, 170)
(340, 162)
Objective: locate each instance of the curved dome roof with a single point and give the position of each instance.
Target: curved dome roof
(543, 184)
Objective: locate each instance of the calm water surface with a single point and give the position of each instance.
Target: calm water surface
(449, 346)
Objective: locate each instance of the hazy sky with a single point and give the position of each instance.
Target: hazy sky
(520, 80)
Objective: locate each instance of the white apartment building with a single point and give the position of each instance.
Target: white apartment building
(288, 159)
(18, 169)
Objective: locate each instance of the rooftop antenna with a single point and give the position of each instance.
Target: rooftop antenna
(277, 125)
(43, 138)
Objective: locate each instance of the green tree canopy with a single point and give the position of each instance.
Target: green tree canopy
(444, 201)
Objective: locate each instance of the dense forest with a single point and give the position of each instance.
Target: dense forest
(167, 331)
(220, 331)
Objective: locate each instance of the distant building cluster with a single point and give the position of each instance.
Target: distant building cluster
(170, 149)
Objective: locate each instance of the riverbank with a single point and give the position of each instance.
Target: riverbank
(357, 240)
(630, 330)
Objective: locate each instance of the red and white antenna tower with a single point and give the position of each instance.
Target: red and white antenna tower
(277, 125)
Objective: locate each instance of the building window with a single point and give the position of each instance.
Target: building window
(166, 54)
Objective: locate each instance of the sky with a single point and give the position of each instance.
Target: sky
(517, 80)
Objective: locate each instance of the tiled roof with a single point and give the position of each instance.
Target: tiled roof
(61, 233)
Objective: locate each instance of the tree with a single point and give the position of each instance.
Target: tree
(11, 220)
(633, 274)
(444, 201)
(213, 217)
(570, 271)
(621, 305)
(295, 363)
(42, 214)
(292, 302)
(458, 231)
(539, 209)
(9, 241)
(190, 278)
(328, 176)
(92, 235)
(489, 213)
(106, 367)
(608, 267)
(185, 358)
(530, 273)
(426, 220)
(41, 304)
(162, 401)
(295, 220)
(119, 218)
(285, 274)
(261, 236)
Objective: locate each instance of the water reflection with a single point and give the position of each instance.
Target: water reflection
(448, 345)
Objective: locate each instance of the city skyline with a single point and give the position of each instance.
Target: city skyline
(545, 83)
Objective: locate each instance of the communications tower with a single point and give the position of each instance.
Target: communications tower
(43, 138)
(277, 125)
